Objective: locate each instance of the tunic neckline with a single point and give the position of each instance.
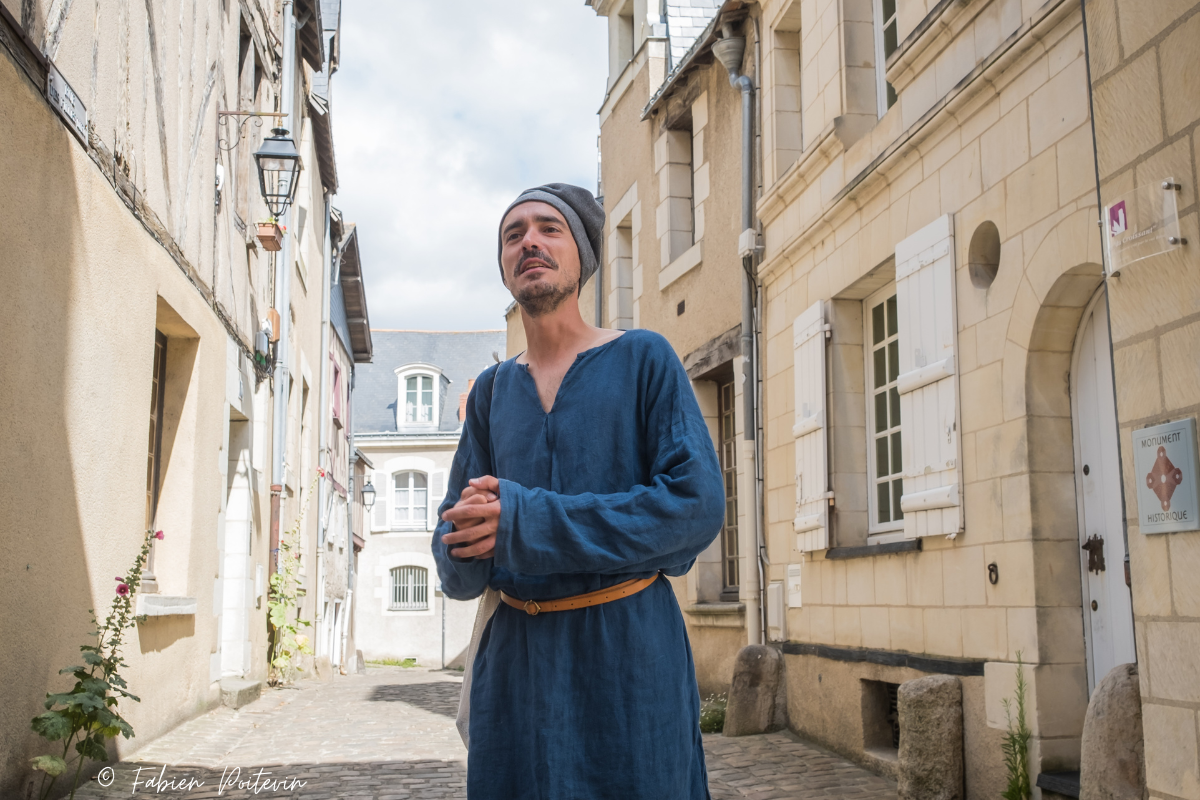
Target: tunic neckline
(567, 374)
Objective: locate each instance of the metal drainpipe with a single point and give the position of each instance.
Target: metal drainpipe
(283, 286)
(729, 50)
(348, 615)
(324, 457)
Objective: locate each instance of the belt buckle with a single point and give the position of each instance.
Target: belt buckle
(534, 611)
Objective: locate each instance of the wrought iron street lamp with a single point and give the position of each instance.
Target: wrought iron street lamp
(368, 496)
(278, 170)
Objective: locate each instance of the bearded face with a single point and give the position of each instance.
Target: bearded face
(539, 258)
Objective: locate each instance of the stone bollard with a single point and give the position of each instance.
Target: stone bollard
(1112, 765)
(322, 668)
(752, 708)
(931, 739)
(360, 664)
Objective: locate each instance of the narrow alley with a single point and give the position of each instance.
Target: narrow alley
(412, 752)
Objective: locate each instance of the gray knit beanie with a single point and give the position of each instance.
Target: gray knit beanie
(584, 216)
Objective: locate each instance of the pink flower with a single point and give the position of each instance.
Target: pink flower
(120, 579)
(123, 589)
(321, 472)
(158, 534)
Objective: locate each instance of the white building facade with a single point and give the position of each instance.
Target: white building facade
(409, 407)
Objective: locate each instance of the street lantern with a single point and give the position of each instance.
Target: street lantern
(368, 496)
(278, 170)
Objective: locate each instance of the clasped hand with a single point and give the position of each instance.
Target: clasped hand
(475, 518)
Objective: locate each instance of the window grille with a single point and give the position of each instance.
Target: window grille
(410, 589)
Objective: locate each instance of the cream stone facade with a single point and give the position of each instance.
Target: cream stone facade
(138, 298)
(939, 443)
(1144, 61)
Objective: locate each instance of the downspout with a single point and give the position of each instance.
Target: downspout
(348, 614)
(283, 299)
(324, 459)
(729, 50)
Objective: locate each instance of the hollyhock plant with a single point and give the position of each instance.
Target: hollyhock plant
(283, 599)
(87, 715)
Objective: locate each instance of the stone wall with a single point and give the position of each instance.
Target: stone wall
(1144, 72)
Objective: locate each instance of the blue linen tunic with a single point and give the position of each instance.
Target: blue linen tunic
(620, 480)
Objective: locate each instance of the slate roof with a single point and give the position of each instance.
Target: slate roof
(461, 355)
(687, 19)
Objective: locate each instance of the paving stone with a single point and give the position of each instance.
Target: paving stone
(389, 735)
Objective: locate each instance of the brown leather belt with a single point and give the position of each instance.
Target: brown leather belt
(624, 589)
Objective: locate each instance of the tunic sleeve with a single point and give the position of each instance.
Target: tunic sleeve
(465, 579)
(661, 525)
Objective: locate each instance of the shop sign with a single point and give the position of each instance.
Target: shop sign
(1165, 460)
(1142, 223)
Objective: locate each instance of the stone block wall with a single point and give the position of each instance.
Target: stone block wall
(1145, 59)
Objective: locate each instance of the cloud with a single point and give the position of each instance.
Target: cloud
(443, 112)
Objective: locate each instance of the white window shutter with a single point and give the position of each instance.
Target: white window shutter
(437, 493)
(812, 474)
(928, 382)
(383, 497)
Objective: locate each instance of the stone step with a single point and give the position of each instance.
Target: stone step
(237, 692)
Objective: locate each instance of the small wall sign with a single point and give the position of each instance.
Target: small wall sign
(67, 103)
(1142, 223)
(1168, 495)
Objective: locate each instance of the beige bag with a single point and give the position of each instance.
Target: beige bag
(488, 602)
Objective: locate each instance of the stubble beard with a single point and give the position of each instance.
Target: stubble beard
(540, 299)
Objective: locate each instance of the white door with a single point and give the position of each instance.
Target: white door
(1107, 608)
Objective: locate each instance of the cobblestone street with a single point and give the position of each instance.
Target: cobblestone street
(338, 741)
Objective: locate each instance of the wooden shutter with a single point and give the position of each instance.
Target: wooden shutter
(928, 382)
(437, 493)
(380, 519)
(812, 474)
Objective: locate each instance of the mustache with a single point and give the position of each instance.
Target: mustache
(539, 255)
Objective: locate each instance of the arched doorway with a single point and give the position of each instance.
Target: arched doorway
(1107, 607)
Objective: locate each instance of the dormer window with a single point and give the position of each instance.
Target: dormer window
(419, 395)
(418, 398)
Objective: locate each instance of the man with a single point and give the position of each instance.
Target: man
(585, 469)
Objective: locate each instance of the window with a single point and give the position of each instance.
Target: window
(883, 411)
(158, 383)
(410, 589)
(411, 502)
(337, 393)
(728, 457)
(418, 398)
(886, 42)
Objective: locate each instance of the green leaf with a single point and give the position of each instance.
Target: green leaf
(51, 765)
(91, 748)
(52, 725)
(65, 670)
(93, 658)
(96, 686)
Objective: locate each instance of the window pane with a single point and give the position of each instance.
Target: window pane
(885, 505)
(419, 480)
(880, 368)
(889, 39)
(420, 509)
(889, 10)
(877, 334)
(897, 458)
(893, 349)
(893, 324)
(881, 457)
(881, 408)
(897, 490)
(894, 402)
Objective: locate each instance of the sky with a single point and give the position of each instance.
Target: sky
(443, 112)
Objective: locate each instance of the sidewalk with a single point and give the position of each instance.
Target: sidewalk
(389, 735)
